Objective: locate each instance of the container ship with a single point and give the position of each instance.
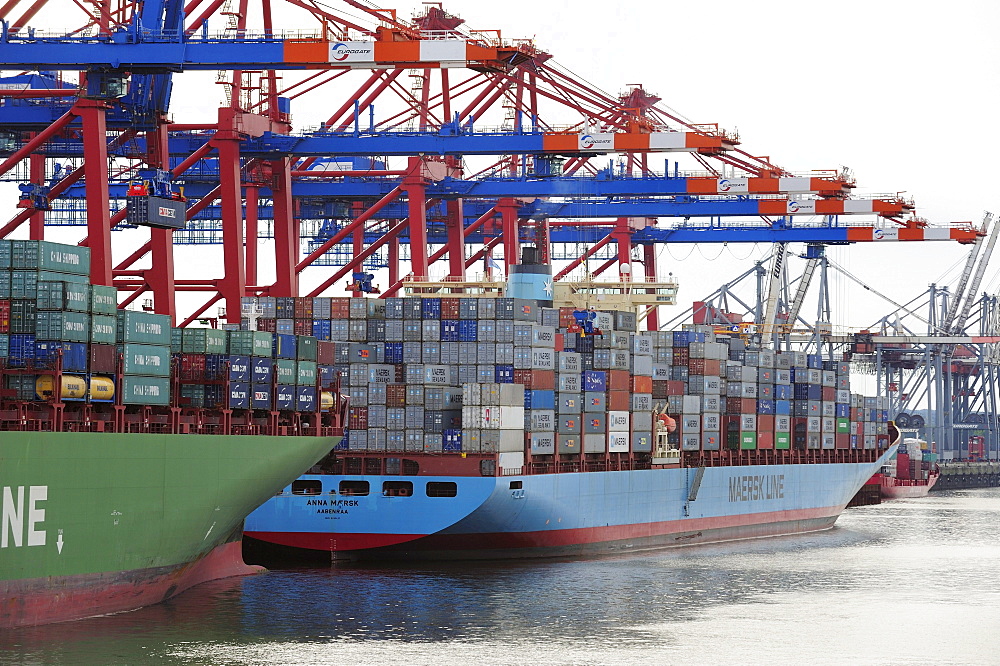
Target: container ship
(130, 452)
(913, 472)
(517, 426)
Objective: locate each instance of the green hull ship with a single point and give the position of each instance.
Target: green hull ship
(97, 523)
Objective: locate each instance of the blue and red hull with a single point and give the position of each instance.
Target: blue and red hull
(561, 514)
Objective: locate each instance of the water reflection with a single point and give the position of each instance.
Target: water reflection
(907, 582)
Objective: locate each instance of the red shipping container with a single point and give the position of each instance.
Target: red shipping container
(730, 423)
(400, 372)
(523, 377)
(619, 380)
(642, 384)
(765, 423)
(660, 389)
(267, 325)
(560, 342)
(103, 358)
(340, 308)
(619, 400)
(4, 316)
(675, 387)
(680, 355)
(765, 440)
(326, 352)
(855, 414)
(903, 465)
(449, 308)
(541, 380)
(192, 367)
(712, 366)
(696, 366)
(303, 308)
(395, 395)
(842, 440)
(357, 418)
(829, 393)
(566, 318)
(741, 405)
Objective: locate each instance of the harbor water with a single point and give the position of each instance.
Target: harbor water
(907, 582)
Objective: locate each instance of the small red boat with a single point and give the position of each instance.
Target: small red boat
(912, 474)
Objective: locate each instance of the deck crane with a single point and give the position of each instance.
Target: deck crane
(977, 278)
(959, 293)
(814, 255)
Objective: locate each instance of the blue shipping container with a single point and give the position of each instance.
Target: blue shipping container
(597, 380)
(449, 330)
(782, 392)
(321, 329)
(843, 411)
(284, 346)
(783, 407)
(327, 375)
(261, 397)
(394, 352)
(284, 397)
(74, 355)
(452, 440)
(468, 330)
(765, 406)
(306, 398)
(504, 374)
(239, 395)
(540, 399)
(21, 349)
(430, 308)
(261, 369)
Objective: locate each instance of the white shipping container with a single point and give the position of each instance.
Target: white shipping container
(380, 373)
(543, 336)
(748, 422)
(642, 345)
(618, 442)
(691, 404)
(511, 461)
(642, 365)
(661, 371)
(618, 421)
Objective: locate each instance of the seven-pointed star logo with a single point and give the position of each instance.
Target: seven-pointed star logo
(548, 287)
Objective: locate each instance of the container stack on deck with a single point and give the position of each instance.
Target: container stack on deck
(64, 341)
(431, 374)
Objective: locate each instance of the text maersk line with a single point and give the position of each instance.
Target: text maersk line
(751, 487)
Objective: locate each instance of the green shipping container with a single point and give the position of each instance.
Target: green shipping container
(203, 341)
(103, 329)
(145, 390)
(176, 340)
(24, 284)
(62, 326)
(748, 440)
(103, 300)
(63, 296)
(305, 348)
(48, 256)
(251, 343)
(149, 360)
(192, 395)
(285, 370)
(782, 440)
(843, 425)
(306, 373)
(143, 327)
(263, 344)
(5, 254)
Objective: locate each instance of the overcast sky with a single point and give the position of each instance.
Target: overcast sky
(902, 93)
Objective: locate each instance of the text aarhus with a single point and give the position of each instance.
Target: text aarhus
(752, 487)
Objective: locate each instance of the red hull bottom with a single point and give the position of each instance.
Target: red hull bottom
(906, 491)
(564, 543)
(46, 600)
